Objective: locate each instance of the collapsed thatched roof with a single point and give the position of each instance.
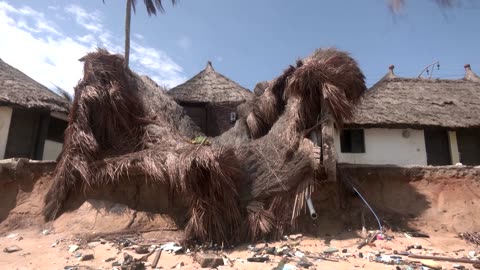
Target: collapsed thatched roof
(17, 89)
(416, 102)
(260, 87)
(211, 87)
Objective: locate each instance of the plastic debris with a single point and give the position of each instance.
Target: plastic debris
(172, 247)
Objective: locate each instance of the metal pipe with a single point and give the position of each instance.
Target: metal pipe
(311, 209)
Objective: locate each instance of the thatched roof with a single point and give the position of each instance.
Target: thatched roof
(17, 89)
(211, 87)
(415, 102)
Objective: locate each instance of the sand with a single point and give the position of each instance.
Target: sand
(51, 251)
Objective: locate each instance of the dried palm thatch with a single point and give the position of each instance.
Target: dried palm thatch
(252, 182)
(117, 134)
(271, 137)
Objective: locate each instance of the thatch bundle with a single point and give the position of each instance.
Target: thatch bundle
(259, 172)
(276, 154)
(121, 129)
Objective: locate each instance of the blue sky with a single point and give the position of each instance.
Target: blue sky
(248, 41)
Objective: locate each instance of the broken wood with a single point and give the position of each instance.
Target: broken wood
(446, 259)
(157, 257)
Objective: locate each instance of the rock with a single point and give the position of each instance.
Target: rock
(472, 254)
(110, 259)
(330, 250)
(73, 248)
(12, 249)
(476, 265)
(258, 259)
(295, 236)
(344, 250)
(207, 260)
(141, 250)
(46, 232)
(178, 265)
(304, 264)
(86, 257)
(77, 254)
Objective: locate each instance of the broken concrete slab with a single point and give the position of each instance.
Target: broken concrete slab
(207, 260)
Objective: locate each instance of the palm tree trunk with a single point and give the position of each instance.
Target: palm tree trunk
(128, 15)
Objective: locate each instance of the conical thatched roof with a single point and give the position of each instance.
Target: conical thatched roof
(210, 86)
(17, 89)
(416, 102)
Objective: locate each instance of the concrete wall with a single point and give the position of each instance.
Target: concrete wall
(388, 146)
(5, 118)
(51, 150)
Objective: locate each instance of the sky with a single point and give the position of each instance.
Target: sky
(248, 41)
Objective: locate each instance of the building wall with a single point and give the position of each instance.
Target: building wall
(5, 118)
(387, 146)
(218, 117)
(51, 150)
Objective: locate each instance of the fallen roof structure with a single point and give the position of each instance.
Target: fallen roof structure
(252, 181)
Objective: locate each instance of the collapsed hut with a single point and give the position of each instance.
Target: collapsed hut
(252, 182)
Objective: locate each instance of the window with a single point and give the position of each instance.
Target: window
(352, 141)
(56, 128)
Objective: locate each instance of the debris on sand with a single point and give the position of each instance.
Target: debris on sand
(208, 260)
(11, 249)
(73, 248)
(473, 237)
(86, 257)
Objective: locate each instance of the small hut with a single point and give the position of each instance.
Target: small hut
(211, 100)
(32, 118)
(422, 121)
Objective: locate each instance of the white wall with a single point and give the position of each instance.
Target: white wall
(5, 118)
(51, 150)
(388, 146)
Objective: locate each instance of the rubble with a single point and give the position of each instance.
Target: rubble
(86, 257)
(208, 260)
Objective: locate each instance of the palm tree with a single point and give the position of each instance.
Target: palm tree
(153, 6)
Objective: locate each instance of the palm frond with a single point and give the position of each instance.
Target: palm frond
(152, 6)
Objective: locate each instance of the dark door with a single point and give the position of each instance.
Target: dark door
(198, 115)
(438, 147)
(23, 134)
(469, 146)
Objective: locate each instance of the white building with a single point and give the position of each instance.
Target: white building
(413, 121)
(32, 118)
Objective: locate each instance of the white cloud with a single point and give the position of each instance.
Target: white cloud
(42, 50)
(89, 20)
(185, 43)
